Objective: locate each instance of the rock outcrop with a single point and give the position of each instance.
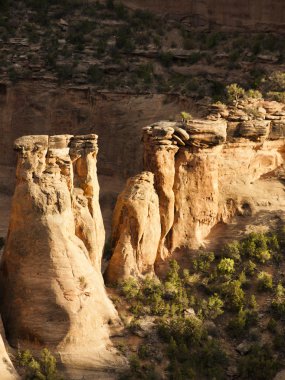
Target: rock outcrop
(136, 229)
(224, 170)
(52, 290)
(7, 370)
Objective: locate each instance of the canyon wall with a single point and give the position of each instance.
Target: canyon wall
(33, 108)
(216, 179)
(224, 14)
(52, 290)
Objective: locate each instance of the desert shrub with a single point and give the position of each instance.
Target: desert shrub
(278, 302)
(43, 368)
(139, 371)
(254, 94)
(211, 308)
(250, 267)
(278, 96)
(234, 93)
(275, 82)
(272, 325)
(256, 246)
(233, 294)
(124, 39)
(203, 261)
(232, 249)
(253, 303)
(130, 288)
(264, 281)
(190, 351)
(226, 267)
(259, 364)
(240, 323)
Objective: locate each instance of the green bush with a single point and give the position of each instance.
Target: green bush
(264, 281)
(130, 288)
(250, 268)
(257, 246)
(226, 267)
(235, 93)
(254, 94)
(259, 364)
(43, 368)
(278, 302)
(212, 308)
(278, 96)
(234, 294)
(203, 262)
(232, 250)
(240, 323)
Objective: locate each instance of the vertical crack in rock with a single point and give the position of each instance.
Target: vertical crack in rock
(52, 290)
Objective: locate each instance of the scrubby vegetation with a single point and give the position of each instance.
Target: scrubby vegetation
(43, 368)
(202, 314)
(110, 46)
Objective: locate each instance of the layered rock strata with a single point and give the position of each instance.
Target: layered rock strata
(226, 168)
(52, 290)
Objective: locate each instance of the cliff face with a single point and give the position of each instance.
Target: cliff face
(217, 172)
(43, 108)
(255, 15)
(52, 290)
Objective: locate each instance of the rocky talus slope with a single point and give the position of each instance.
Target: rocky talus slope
(224, 172)
(52, 290)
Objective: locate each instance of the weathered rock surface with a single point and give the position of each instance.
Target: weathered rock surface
(136, 231)
(52, 290)
(39, 107)
(215, 172)
(7, 370)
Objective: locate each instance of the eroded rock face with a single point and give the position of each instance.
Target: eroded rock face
(136, 230)
(224, 170)
(52, 290)
(7, 370)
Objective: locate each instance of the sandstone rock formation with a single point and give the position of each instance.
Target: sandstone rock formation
(52, 290)
(224, 170)
(136, 229)
(7, 370)
(35, 108)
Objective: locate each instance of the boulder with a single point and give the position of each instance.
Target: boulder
(255, 130)
(206, 133)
